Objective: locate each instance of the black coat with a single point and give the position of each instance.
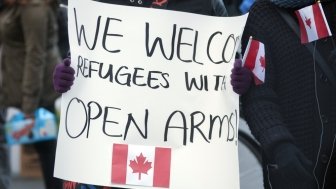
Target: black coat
(296, 103)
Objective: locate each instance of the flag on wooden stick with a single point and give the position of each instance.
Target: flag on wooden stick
(254, 59)
(313, 23)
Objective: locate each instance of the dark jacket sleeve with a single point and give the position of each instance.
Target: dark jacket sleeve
(260, 103)
(219, 8)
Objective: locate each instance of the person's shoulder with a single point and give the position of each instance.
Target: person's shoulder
(262, 5)
(263, 10)
(261, 20)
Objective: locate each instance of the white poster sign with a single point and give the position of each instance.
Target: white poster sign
(151, 105)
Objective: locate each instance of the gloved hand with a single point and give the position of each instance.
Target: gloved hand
(63, 76)
(241, 78)
(292, 164)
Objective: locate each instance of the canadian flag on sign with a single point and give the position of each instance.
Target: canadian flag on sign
(141, 165)
(313, 24)
(254, 60)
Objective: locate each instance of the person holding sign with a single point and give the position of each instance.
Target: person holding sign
(292, 113)
(29, 53)
(64, 74)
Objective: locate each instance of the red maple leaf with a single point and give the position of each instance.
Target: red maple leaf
(262, 62)
(140, 165)
(308, 22)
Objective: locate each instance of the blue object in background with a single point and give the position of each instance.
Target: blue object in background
(84, 186)
(245, 6)
(45, 127)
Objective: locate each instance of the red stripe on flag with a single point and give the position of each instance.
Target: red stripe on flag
(119, 163)
(257, 81)
(304, 35)
(162, 167)
(252, 53)
(321, 25)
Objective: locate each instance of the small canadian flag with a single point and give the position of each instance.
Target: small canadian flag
(141, 165)
(313, 23)
(254, 59)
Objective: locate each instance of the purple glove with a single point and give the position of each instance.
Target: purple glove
(241, 78)
(63, 76)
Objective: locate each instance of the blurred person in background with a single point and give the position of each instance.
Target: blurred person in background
(4, 161)
(245, 6)
(238, 7)
(62, 21)
(29, 37)
(5, 176)
(232, 7)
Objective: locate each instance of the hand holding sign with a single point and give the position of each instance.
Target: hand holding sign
(241, 78)
(63, 76)
(254, 59)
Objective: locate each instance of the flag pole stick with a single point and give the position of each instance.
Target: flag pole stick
(246, 50)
